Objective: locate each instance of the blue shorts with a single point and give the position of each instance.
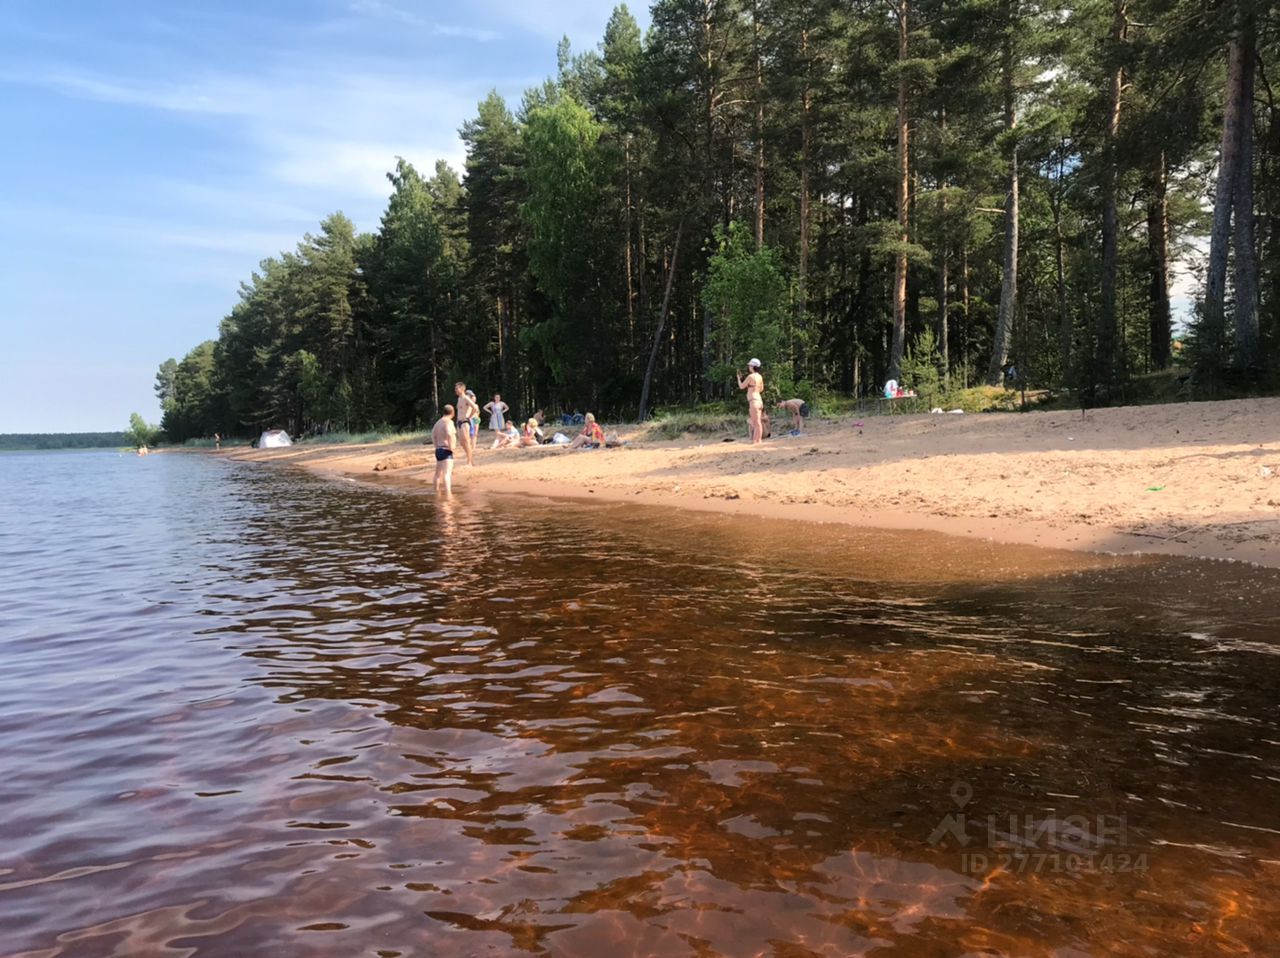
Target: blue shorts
(443, 453)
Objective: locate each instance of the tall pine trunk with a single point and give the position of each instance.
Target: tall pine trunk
(1248, 341)
(1225, 191)
(662, 323)
(1105, 339)
(759, 131)
(1009, 275)
(802, 259)
(964, 316)
(903, 185)
(943, 252)
(627, 265)
(1159, 312)
(1060, 268)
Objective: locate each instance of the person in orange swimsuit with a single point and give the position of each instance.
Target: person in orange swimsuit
(591, 437)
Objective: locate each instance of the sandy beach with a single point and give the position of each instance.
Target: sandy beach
(1195, 479)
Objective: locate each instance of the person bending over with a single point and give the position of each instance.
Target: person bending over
(799, 410)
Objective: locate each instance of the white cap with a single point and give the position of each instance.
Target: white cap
(753, 362)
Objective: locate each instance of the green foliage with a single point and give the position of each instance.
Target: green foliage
(140, 433)
(380, 435)
(17, 441)
(542, 271)
(746, 294)
(708, 419)
(568, 174)
(921, 369)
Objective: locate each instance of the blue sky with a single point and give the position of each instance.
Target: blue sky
(155, 152)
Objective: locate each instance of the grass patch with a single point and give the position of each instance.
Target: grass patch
(711, 419)
(372, 437)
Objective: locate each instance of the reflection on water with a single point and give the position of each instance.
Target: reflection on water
(249, 712)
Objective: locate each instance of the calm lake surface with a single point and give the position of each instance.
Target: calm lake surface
(244, 711)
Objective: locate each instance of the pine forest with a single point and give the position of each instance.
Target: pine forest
(1075, 196)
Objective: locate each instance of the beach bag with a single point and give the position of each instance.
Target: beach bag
(560, 439)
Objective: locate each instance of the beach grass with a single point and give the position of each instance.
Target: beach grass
(373, 436)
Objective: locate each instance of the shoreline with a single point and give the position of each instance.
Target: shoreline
(1092, 482)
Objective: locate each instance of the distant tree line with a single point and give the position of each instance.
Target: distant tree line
(838, 188)
(63, 440)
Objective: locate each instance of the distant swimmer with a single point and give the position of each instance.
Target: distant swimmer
(753, 383)
(799, 410)
(444, 436)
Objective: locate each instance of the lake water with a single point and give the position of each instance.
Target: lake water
(244, 711)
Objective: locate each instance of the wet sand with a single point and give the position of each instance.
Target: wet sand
(1195, 479)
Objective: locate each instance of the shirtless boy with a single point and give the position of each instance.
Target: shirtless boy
(444, 437)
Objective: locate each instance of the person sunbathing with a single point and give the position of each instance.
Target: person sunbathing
(591, 437)
(530, 435)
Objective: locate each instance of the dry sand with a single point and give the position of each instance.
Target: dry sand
(1199, 479)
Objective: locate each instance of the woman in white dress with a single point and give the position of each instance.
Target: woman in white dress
(496, 410)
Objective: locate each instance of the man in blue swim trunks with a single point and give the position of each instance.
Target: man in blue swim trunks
(444, 436)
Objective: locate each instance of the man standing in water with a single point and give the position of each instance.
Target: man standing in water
(444, 437)
(466, 409)
(754, 385)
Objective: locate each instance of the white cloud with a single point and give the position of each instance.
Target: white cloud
(301, 127)
(382, 10)
(179, 99)
(582, 21)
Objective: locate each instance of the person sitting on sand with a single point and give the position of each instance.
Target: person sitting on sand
(444, 436)
(508, 435)
(591, 437)
(799, 409)
(530, 435)
(753, 383)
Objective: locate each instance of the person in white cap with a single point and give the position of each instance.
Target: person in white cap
(754, 385)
